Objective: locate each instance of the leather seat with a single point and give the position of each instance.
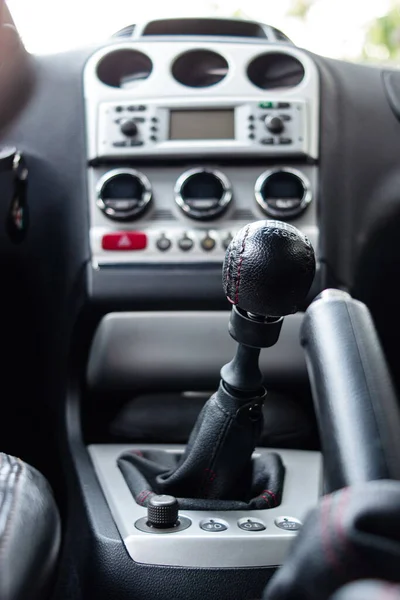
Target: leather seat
(30, 531)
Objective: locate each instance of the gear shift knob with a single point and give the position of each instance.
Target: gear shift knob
(269, 268)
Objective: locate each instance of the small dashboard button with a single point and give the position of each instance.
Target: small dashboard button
(283, 105)
(121, 144)
(213, 526)
(208, 243)
(226, 241)
(268, 141)
(285, 117)
(119, 108)
(185, 243)
(251, 524)
(285, 141)
(124, 240)
(288, 523)
(142, 107)
(163, 243)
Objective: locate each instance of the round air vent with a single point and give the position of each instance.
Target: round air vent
(200, 68)
(123, 194)
(275, 71)
(124, 68)
(203, 194)
(283, 193)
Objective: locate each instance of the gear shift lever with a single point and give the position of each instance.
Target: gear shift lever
(268, 271)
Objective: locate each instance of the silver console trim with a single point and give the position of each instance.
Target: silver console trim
(307, 192)
(223, 202)
(195, 547)
(146, 198)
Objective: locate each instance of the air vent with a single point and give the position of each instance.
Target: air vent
(275, 71)
(126, 32)
(124, 68)
(162, 215)
(243, 214)
(205, 27)
(200, 68)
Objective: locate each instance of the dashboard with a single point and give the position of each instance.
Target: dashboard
(167, 122)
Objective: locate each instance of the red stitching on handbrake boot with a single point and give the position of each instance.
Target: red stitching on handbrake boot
(240, 266)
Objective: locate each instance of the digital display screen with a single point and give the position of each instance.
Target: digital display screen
(202, 125)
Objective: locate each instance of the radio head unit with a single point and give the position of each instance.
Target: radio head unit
(212, 127)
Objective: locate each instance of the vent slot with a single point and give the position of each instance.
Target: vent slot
(162, 215)
(243, 214)
(205, 27)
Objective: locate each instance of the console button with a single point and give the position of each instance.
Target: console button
(153, 138)
(213, 526)
(251, 525)
(163, 243)
(288, 523)
(285, 117)
(136, 143)
(208, 243)
(283, 105)
(268, 141)
(266, 104)
(226, 241)
(120, 144)
(185, 243)
(124, 240)
(119, 108)
(251, 127)
(142, 107)
(285, 141)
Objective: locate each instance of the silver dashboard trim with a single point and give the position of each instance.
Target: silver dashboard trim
(194, 547)
(307, 192)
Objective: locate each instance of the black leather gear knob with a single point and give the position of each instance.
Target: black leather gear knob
(269, 268)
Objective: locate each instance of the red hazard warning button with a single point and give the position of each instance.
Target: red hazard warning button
(124, 240)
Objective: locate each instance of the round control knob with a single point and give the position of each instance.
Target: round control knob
(129, 128)
(274, 124)
(123, 194)
(162, 512)
(203, 194)
(269, 268)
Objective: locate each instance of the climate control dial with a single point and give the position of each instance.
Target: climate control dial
(203, 194)
(123, 194)
(283, 192)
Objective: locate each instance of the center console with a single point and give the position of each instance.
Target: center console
(196, 143)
